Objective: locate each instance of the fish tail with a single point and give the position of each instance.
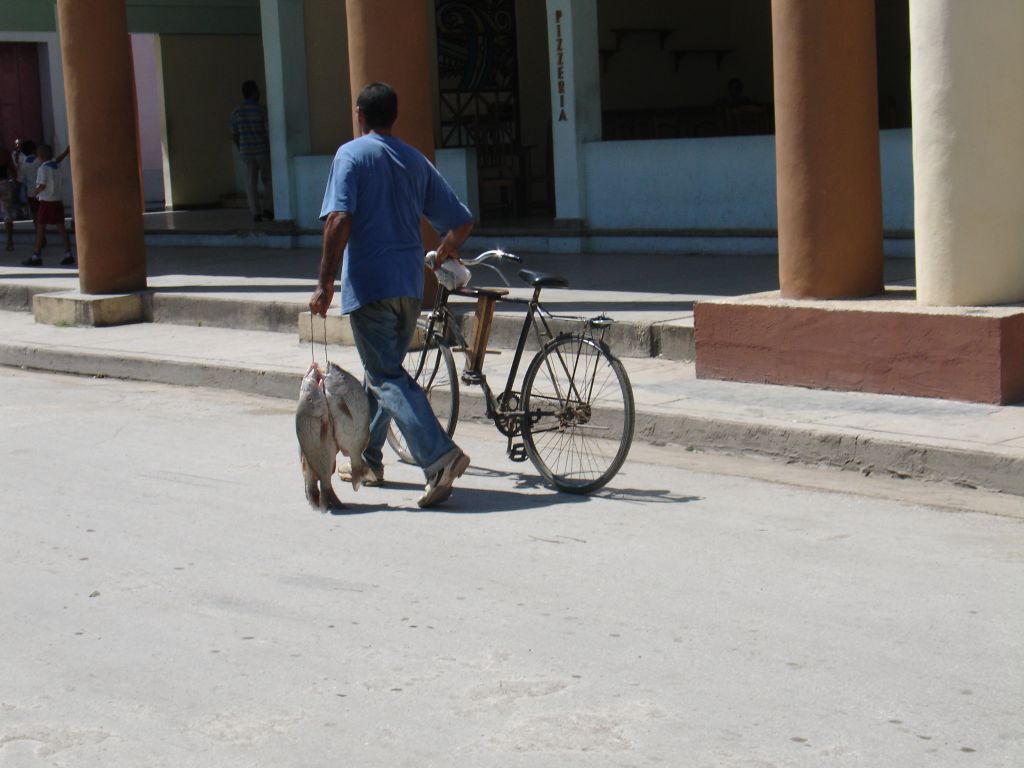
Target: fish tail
(359, 470)
(328, 498)
(313, 495)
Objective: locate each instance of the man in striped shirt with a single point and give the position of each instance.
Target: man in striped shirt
(249, 129)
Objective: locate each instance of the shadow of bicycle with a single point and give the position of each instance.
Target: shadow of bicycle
(610, 492)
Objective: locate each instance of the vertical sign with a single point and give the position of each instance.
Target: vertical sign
(560, 67)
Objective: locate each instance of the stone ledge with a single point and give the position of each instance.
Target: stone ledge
(626, 339)
(76, 308)
(886, 345)
(335, 327)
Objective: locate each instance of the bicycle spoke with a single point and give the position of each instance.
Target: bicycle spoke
(431, 366)
(580, 410)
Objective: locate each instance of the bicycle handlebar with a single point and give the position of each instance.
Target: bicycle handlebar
(497, 253)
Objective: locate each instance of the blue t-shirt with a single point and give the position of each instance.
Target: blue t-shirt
(386, 186)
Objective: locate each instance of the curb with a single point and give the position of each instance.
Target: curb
(627, 338)
(690, 431)
(16, 297)
(176, 309)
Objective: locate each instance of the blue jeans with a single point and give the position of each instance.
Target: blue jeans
(383, 331)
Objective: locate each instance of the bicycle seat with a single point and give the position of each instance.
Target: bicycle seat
(542, 279)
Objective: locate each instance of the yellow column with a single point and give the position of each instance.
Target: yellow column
(103, 135)
(827, 152)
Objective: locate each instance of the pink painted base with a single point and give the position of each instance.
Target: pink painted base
(889, 345)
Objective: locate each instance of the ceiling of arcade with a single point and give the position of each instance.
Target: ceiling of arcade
(221, 17)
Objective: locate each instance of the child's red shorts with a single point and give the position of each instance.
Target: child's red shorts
(50, 212)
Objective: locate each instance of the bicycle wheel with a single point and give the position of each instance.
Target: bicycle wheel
(432, 366)
(579, 414)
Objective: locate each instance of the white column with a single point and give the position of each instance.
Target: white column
(967, 66)
(284, 60)
(575, 98)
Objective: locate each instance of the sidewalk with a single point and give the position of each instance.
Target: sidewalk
(225, 317)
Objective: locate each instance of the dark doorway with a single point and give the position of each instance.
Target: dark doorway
(21, 111)
(479, 99)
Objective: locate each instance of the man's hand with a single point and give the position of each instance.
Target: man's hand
(449, 247)
(321, 300)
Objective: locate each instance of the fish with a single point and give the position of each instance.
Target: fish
(349, 407)
(317, 447)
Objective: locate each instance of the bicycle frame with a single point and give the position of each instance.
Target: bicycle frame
(571, 412)
(497, 409)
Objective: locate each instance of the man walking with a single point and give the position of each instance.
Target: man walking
(378, 189)
(249, 130)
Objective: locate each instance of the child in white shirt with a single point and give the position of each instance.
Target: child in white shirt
(48, 190)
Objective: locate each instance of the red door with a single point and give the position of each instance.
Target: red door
(21, 111)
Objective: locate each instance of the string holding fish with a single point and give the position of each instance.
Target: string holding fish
(327, 361)
(312, 340)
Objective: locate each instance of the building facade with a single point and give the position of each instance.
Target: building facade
(667, 131)
(649, 125)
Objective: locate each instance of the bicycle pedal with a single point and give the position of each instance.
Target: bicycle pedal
(517, 452)
(472, 377)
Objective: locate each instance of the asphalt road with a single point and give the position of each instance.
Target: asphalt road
(169, 599)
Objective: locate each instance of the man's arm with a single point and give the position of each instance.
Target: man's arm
(449, 247)
(336, 232)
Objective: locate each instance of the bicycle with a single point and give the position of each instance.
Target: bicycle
(574, 413)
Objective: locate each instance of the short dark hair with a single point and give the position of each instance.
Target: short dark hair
(379, 104)
(45, 151)
(28, 147)
(250, 90)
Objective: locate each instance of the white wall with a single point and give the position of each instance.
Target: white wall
(459, 168)
(897, 181)
(724, 183)
(148, 91)
(712, 183)
(310, 172)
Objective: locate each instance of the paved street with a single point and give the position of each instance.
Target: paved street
(170, 600)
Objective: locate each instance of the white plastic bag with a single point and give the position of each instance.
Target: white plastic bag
(452, 274)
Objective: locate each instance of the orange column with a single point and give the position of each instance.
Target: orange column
(102, 131)
(827, 151)
(389, 42)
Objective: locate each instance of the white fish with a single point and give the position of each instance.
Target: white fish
(317, 447)
(350, 413)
